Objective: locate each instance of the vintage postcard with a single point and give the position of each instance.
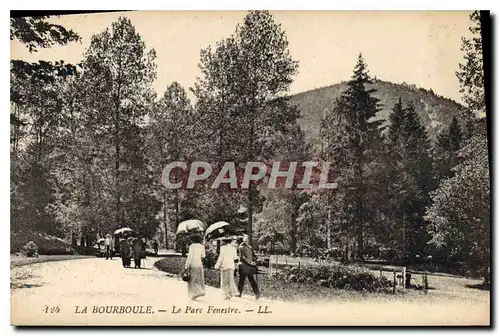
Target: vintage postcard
(313, 168)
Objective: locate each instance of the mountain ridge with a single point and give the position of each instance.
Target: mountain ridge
(435, 111)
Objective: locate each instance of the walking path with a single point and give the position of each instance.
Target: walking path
(56, 293)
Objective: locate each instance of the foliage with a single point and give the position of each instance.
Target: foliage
(241, 98)
(37, 32)
(460, 213)
(170, 138)
(30, 249)
(336, 276)
(470, 74)
(351, 139)
(37, 96)
(210, 259)
(47, 244)
(410, 168)
(111, 98)
(448, 142)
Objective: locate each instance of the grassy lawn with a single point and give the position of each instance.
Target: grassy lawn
(441, 288)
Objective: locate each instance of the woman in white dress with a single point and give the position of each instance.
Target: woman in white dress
(226, 264)
(194, 265)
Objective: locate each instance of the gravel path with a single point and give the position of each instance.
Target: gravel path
(56, 293)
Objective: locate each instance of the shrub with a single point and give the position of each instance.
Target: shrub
(210, 259)
(30, 249)
(46, 244)
(336, 276)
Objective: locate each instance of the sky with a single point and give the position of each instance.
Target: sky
(419, 47)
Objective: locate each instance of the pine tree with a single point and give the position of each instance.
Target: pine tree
(410, 169)
(446, 148)
(353, 139)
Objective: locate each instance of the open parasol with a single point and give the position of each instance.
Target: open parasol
(192, 225)
(123, 230)
(216, 230)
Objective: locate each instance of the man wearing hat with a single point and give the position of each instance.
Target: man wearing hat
(248, 268)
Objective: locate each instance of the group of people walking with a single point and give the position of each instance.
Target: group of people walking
(227, 260)
(129, 248)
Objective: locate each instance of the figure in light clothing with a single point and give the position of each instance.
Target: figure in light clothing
(108, 242)
(194, 265)
(226, 264)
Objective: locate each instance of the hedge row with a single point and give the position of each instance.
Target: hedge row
(337, 276)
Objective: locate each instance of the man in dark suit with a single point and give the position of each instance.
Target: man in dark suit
(248, 268)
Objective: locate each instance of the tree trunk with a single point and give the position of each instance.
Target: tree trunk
(250, 193)
(329, 230)
(359, 215)
(176, 208)
(165, 219)
(117, 156)
(359, 242)
(293, 230)
(250, 214)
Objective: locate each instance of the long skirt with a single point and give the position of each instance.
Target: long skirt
(126, 261)
(196, 283)
(227, 283)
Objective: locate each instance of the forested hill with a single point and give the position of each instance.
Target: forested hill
(435, 111)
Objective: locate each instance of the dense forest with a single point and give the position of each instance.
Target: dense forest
(89, 142)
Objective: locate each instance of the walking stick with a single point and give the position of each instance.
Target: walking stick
(257, 278)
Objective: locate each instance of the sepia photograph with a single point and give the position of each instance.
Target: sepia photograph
(250, 168)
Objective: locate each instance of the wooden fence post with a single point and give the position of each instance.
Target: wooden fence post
(404, 279)
(394, 283)
(276, 264)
